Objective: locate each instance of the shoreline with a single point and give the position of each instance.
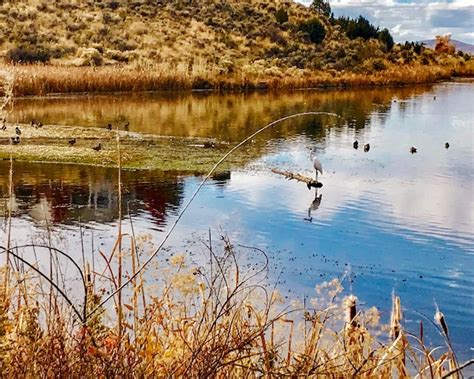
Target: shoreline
(50, 144)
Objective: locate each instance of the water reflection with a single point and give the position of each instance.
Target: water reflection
(63, 194)
(230, 118)
(314, 206)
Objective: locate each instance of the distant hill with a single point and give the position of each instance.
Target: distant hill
(465, 47)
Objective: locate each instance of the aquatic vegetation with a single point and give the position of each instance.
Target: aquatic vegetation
(51, 143)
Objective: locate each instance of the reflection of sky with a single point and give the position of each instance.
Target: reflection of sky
(396, 220)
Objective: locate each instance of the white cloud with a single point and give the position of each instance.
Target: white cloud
(413, 20)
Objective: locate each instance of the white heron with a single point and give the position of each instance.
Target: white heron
(316, 163)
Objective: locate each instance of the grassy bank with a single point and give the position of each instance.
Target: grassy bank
(43, 79)
(50, 143)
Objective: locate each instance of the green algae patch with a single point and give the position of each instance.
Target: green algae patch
(52, 143)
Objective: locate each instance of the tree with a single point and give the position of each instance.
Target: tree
(361, 28)
(314, 29)
(281, 16)
(321, 7)
(386, 38)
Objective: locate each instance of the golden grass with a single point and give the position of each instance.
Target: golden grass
(44, 79)
(215, 320)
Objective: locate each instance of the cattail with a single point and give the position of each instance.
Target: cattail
(396, 317)
(351, 309)
(439, 318)
(421, 331)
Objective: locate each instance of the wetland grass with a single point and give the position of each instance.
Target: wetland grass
(34, 80)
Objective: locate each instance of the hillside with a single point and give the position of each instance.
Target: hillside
(204, 44)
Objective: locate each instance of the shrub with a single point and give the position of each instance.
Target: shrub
(378, 64)
(281, 16)
(28, 55)
(91, 57)
(314, 29)
(275, 36)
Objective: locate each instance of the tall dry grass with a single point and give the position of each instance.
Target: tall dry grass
(44, 79)
(215, 320)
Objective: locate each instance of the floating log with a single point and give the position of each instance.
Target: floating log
(299, 178)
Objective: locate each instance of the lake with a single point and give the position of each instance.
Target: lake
(390, 219)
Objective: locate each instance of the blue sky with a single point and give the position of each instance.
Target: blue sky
(413, 19)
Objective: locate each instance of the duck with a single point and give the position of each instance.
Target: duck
(4, 125)
(366, 147)
(109, 126)
(355, 145)
(126, 126)
(18, 131)
(39, 125)
(446, 145)
(209, 145)
(72, 142)
(15, 140)
(413, 150)
(98, 147)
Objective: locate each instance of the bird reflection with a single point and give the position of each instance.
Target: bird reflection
(314, 205)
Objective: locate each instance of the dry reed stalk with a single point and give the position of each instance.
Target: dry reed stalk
(6, 283)
(119, 237)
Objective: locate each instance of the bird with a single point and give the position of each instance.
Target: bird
(446, 145)
(98, 147)
(413, 150)
(316, 163)
(366, 147)
(15, 140)
(109, 126)
(434, 97)
(72, 142)
(355, 145)
(4, 124)
(33, 123)
(209, 145)
(126, 126)
(18, 131)
(39, 125)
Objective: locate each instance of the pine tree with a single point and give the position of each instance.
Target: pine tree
(321, 7)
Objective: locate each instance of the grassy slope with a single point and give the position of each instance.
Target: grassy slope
(189, 44)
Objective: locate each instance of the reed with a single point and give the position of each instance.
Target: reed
(46, 79)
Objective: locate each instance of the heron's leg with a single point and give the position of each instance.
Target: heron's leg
(316, 175)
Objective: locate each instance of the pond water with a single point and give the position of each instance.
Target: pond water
(393, 220)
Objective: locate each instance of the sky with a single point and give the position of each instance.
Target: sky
(413, 20)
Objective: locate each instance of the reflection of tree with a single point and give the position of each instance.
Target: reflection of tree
(67, 193)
